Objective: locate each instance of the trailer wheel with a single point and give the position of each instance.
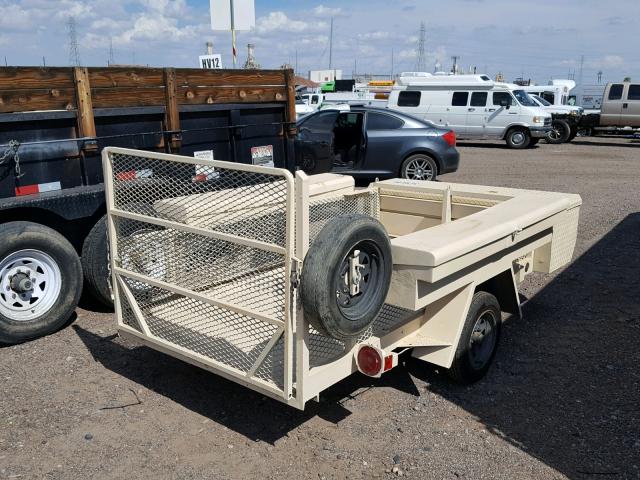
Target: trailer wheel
(518, 138)
(95, 263)
(478, 341)
(560, 132)
(40, 281)
(346, 276)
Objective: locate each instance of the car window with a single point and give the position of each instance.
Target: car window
(615, 92)
(541, 100)
(459, 99)
(314, 100)
(634, 92)
(320, 122)
(409, 99)
(499, 97)
(381, 121)
(549, 97)
(347, 120)
(479, 99)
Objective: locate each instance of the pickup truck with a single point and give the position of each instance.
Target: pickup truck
(288, 283)
(620, 109)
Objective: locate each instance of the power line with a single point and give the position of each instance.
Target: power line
(331, 45)
(111, 56)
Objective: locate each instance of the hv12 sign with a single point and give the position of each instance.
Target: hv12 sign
(211, 62)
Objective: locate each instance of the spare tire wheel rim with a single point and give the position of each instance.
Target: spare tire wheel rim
(483, 339)
(30, 284)
(357, 279)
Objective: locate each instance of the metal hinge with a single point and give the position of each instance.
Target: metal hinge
(296, 270)
(515, 233)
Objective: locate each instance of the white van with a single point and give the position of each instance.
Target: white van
(473, 106)
(557, 92)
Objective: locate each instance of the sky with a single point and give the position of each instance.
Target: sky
(540, 40)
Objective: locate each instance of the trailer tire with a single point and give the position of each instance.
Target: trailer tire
(518, 138)
(95, 263)
(328, 302)
(40, 281)
(479, 339)
(560, 132)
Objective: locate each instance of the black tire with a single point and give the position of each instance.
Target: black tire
(518, 138)
(329, 308)
(52, 256)
(474, 355)
(95, 263)
(561, 130)
(533, 142)
(419, 167)
(573, 134)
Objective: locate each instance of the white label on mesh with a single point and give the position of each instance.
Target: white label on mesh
(205, 170)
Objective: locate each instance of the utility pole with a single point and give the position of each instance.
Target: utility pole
(233, 36)
(331, 45)
(295, 71)
(581, 69)
(421, 60)
(391, 63)
(74, 50)
(454, 69)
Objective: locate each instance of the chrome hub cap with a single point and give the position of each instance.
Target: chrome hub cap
(419, 170)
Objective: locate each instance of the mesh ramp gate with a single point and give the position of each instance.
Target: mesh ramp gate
(201, 259)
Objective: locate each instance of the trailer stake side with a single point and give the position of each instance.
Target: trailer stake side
(212, 272)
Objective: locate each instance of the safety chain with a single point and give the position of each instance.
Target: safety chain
(12, 150)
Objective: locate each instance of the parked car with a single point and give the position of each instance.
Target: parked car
(370, 142)
(474, 106)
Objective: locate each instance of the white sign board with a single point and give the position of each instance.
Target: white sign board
(210, 61)
(244, 14)
(262, 156)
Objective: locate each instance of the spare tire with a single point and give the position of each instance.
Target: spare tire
(346, 275)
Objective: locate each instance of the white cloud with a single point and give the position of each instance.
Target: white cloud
(280, 22)
(321, 10)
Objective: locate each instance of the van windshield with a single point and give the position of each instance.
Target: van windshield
(524, 98)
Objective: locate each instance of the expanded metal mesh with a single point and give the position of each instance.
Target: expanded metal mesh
(247, 204)
(219, 334)
(202, 247)
(322, 211)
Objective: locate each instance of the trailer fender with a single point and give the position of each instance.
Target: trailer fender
(503, 287)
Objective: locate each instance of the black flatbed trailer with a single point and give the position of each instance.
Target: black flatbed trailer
(54, 123)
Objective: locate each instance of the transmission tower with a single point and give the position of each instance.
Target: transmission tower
(111, 55)
(74, 50)
(421, 59)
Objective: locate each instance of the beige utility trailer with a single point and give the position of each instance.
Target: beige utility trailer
(210, 259)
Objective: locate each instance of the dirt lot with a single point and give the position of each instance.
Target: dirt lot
(562, 400)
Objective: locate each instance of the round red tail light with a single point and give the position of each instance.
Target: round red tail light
(369, 361)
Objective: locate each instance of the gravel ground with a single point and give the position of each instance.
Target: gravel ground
(561, 400)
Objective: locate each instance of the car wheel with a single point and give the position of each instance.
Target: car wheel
(419, 167)
(560, 132)
(518, 138)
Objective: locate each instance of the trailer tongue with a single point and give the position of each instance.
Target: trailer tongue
(280, 283)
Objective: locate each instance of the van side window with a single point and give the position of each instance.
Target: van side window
(479, 99)
(499, 97)
(409, 98)
(634, 92)
(459, 99)
(615, 92)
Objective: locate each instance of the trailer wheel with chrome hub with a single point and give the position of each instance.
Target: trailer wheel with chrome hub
(40, 281)
(346, 275)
